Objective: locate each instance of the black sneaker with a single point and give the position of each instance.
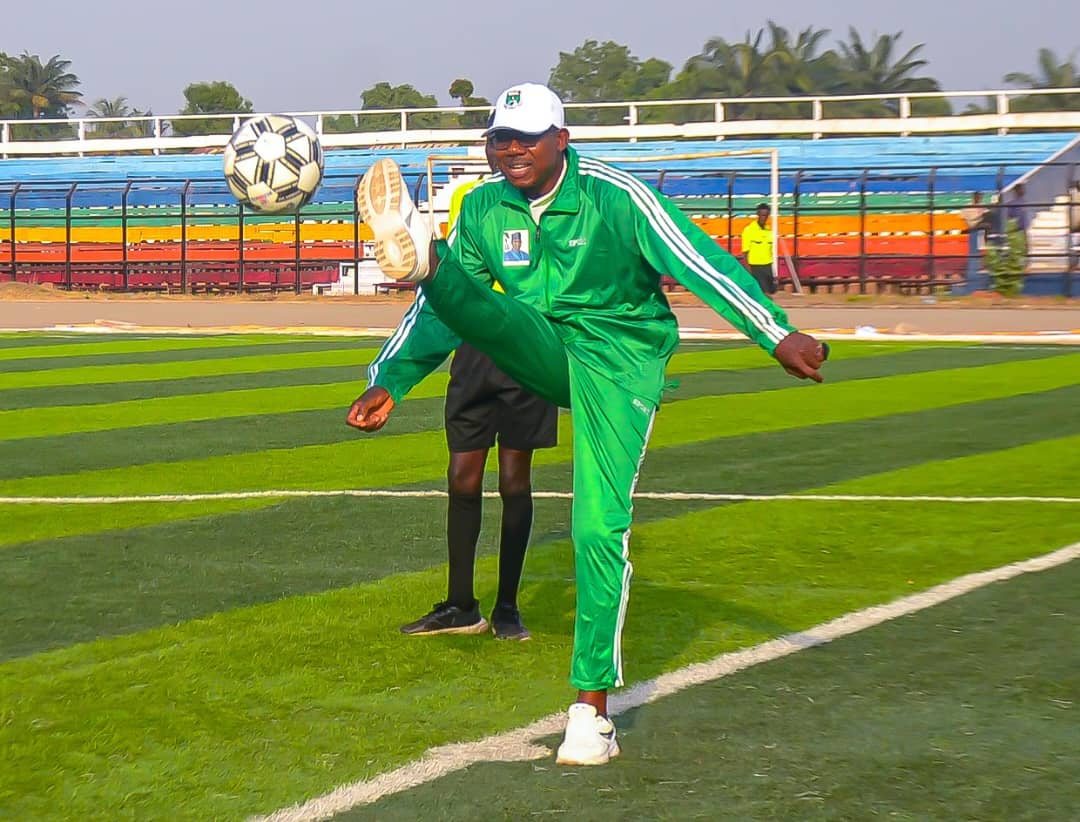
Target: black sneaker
(445, 618)
(506, 623)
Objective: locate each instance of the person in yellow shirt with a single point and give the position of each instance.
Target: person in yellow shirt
(757, 248)
(457, 197)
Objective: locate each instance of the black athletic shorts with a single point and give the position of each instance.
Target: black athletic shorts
(483, 403)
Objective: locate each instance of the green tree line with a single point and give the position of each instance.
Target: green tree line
(771, 62)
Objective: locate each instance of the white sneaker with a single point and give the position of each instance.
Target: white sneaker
(402, 235)
(590, 739)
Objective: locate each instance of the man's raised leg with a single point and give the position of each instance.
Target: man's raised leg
(521, 340)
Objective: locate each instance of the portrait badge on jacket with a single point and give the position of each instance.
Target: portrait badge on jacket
(516, 247)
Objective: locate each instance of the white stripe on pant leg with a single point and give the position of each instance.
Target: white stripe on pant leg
(624, 600)
(628, 569)
(391, 347)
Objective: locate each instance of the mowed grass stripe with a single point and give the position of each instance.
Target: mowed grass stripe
(771, 462)
(28, 523)
(32, 339)
(386, 460)
(71, 590)
(697, 357)
(105, 393)
(174, 355)
(306, 354)
(766, 463)
(931, 433)
(58, 420)
(108, 346)
(786, 461)
(83, 588)
(217, 436)
(917, 718)
(737, 356)
(92, 374)
(295, 697)
(871, 364)
(130, 415)
(1021, 470)
(183, 406)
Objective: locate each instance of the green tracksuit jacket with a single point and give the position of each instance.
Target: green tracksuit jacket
(594, 268)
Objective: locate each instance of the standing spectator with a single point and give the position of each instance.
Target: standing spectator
(482, 404)
(977, 218)
(757, 248)
(1017, 211)
(1018, 208)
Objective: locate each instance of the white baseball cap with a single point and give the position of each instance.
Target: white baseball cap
(529, 108)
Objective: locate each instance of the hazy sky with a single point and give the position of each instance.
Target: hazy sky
(320, 54)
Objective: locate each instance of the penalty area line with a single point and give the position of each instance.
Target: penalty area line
(522, 744)
(390, 493)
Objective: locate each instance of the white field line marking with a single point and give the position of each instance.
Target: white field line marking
(521, 744)
(1058, 337)
(673, 496)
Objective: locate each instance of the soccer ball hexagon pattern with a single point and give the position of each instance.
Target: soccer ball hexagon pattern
(273, 163)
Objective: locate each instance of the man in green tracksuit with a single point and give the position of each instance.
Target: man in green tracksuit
(584, 324)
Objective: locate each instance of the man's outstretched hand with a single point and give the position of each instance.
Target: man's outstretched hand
(802, 356)
(371, 409)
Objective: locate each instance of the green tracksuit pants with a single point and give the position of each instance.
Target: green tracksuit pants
(611, 430)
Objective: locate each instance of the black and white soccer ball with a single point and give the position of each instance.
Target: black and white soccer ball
(274, 163)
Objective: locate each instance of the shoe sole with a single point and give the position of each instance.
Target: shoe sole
(379, 199)
(478, 628)
(518, 638)
(613, 752)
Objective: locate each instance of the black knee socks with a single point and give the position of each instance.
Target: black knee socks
(517, 522)
(463, 517)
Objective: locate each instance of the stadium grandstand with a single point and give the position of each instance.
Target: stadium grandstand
(855, 213)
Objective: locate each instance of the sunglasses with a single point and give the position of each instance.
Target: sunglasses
(503, 138)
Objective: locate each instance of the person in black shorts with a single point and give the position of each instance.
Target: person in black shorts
(483, 407)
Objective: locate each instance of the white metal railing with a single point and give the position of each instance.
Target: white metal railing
(86, 135)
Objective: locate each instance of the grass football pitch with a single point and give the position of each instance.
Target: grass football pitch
(202, 650)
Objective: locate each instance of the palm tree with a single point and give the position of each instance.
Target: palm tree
(144, 128)
(42, 89)
(7, 105)
(744, 68)
(1053, 73)
(799, 66)
(724, 69)
(874, 70)
(116, 107)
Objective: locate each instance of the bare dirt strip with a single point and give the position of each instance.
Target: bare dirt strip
(29, 307)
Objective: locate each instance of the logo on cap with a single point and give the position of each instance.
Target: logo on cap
(513, 98)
